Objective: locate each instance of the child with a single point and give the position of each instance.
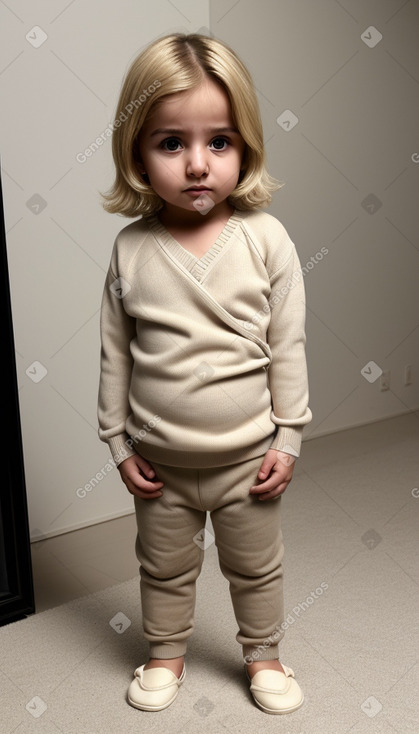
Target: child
(203, 390)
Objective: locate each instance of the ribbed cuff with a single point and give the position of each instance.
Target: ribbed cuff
(121, 447)
(288, 440)
(168, 650)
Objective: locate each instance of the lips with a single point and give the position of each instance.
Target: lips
(198, 188)
(198, 192)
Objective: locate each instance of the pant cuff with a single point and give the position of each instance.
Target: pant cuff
(252, 653)
(167, 650)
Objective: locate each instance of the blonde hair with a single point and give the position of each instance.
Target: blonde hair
(169, 65)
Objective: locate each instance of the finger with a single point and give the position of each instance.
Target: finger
(271, 483)
(144, 494)
(145, 471)
(274, 494)
(266, 467)
(137, 479)
(278, 475)
(145, 467)
(145, 486)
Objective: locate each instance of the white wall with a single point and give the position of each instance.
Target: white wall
(357, 130)
(57, 99)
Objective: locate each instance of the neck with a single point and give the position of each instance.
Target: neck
(172, 216)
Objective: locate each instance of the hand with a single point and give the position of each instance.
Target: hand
(140, 478)
(276, 469)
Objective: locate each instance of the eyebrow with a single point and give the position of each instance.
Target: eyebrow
(172, 131)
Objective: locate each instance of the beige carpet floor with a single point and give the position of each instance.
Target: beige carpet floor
(351, 523)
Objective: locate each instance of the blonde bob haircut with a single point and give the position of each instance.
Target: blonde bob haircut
(169, 65)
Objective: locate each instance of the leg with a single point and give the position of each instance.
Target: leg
(170, 562)
(250, 550)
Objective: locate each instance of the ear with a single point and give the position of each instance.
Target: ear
(140, 167)
(137, 157)
(143, 173)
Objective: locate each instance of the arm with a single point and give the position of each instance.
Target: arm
(288, 379)
(117, 329)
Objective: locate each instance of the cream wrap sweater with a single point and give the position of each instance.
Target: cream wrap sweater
(203, 359)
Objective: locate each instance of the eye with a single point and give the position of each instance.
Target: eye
(170, 144)
(220, 143)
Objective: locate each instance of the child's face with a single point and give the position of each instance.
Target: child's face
(190, 141)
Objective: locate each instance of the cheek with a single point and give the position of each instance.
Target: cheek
(163, 178)
(164, 168)
(230, 167)
(233, 160)
(158, 171)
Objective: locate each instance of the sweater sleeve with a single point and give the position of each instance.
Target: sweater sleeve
(287, 373)
(117, 329)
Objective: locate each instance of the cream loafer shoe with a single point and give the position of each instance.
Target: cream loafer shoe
(154, 689)
(276, 692)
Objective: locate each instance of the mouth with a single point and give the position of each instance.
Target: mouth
(195, 192)
(198, 189)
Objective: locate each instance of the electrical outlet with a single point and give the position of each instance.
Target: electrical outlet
(408, 374)
(385, 380)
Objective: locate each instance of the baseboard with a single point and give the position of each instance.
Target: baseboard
(359, 424)
(81, 525)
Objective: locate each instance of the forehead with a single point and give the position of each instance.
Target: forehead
(207, 105)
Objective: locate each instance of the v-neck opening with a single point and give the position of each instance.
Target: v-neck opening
(184, 256)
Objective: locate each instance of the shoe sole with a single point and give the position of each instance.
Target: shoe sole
(279, 711)
(144, 707)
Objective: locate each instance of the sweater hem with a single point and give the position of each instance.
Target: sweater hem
(202, 459)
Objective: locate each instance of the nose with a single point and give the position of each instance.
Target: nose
(197, 163)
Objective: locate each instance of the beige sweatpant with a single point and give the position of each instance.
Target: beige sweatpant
(248, 538)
